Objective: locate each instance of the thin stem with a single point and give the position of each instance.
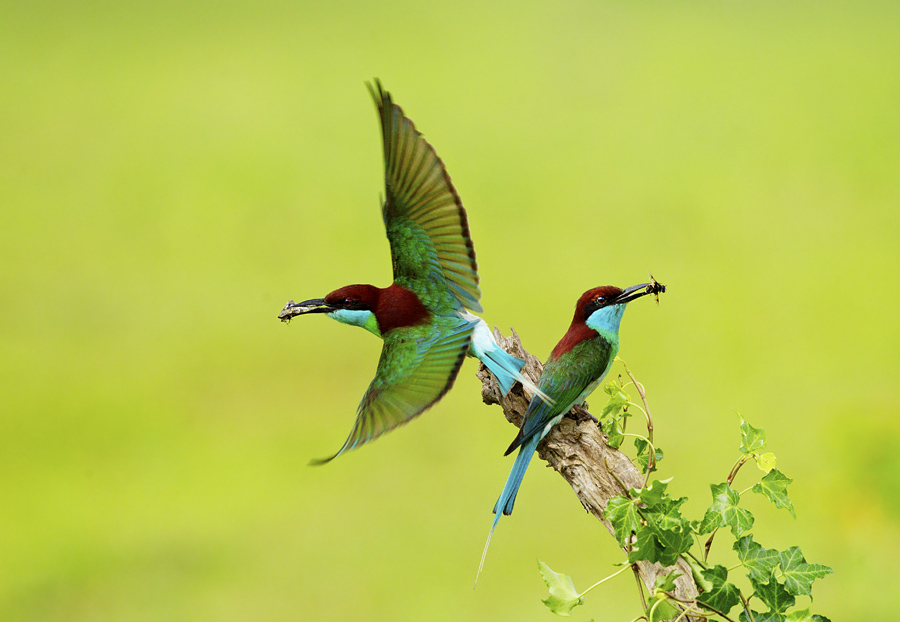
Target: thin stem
(640, 586)
(731, 475)
(653, 608)
(638, 406)
(690, 609)
(708, 544)
(682, 614)
(616, 573)
(737, 467)
(651, 456)
(643, 394)
(639, 436)
(745, 490)
(705, 606)
(747, 610)
(691, 555)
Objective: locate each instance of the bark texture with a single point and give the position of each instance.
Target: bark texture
(579, 453)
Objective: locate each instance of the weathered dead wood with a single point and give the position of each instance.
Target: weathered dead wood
(579, 453)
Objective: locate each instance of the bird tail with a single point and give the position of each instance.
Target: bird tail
(507, 369)
(507, 498)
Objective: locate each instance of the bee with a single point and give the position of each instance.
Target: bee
(656, 288)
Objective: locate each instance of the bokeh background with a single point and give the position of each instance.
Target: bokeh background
(172, 172)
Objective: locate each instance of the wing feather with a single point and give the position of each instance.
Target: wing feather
(424, 215)
(415, 370)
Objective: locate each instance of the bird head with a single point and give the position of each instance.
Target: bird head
(353, 304)
(601, 308)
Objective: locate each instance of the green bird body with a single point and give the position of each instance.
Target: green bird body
(424, 315)
(575, 367)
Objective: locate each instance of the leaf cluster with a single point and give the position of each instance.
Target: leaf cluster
(649, 526)
(614, 420)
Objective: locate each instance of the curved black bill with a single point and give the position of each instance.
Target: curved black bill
(291, 309)
(636, 291)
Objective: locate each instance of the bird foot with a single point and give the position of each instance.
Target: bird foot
(579, 414)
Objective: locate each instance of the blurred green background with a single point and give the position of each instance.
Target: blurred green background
(172, 172)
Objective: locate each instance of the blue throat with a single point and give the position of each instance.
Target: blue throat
(363, 319)
(606, 322)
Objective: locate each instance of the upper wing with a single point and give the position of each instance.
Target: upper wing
(417, 367)
(426, 222)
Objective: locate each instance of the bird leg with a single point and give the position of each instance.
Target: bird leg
(579, 413)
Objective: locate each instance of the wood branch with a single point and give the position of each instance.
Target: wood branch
(577, 450)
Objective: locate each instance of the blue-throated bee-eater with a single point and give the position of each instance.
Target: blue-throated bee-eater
(575, 367)
(422, 316)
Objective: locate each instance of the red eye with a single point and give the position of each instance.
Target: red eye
(347, 302)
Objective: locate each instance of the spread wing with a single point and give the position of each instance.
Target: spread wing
(426, 222)
(417, 367)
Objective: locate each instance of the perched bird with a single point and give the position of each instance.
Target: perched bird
(575, 367)
(422, 316)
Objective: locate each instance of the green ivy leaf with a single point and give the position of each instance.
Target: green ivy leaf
(666, 583)
(563, 595)
(666, 534)
(769, 616)
(774, 595)
(766, 462)
(671, 519)
(660, 608)
(759, 561)
(617, 399)
(774, 486)
(653, 495)
(673, 542)
(709, 523)
(752, 439)
(613, 433)
(724, 504)
(660, 545)
(798, 575)
(643, 454)
(697, 572)
(802, 615)
(622, 513)
(646, 548)
(723, 595)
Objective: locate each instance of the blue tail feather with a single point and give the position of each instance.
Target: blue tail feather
(507, 498)
(511, 489)
(505, 368)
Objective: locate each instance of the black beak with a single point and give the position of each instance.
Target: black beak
(316, 305)
(636, 291)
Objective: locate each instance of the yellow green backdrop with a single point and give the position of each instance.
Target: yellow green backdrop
(171, 173)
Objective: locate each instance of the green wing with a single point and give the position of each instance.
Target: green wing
(540, 413)
(426, 222)
(417, 367)
(565, 379)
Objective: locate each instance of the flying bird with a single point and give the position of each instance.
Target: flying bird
(575, 367)
(425, 316)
